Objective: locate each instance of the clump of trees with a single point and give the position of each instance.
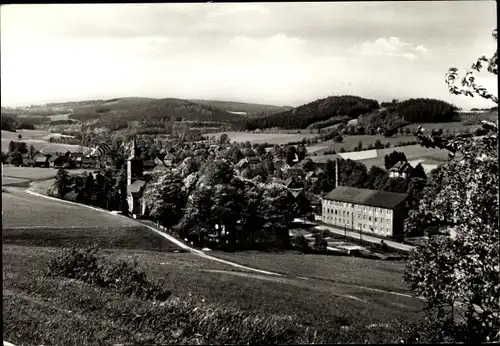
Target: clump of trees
(215, 208)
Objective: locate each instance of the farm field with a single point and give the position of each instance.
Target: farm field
(37, 138)
(350, 142)
(80, 312)
(37, 173)
(270, 138)
(59, 116)
(451, 126)
(339, 269)
(428, 157)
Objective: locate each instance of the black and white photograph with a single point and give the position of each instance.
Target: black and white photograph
(223, 173)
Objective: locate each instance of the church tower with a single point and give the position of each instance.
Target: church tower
(134, 165)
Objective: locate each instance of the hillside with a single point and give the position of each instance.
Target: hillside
(116, 113)
(347, 106)
(249, 108)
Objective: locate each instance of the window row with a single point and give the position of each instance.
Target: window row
(359, 207)
(374, 229)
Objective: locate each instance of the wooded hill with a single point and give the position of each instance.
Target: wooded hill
(340, 109)
(115, 114)
(252, 109)
(319, 110)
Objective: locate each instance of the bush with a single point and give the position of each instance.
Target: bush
(122, 276)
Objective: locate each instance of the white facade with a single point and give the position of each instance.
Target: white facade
(397, 175)
(378, 221)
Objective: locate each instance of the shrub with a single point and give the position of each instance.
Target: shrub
(123, 276)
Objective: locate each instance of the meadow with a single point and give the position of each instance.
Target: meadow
(346, 270)
(23, 211)
(455, 126)
(270, 138)
(350, 142)
(57, 311)
(37, 138)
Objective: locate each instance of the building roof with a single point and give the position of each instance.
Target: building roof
(136, 187)
(374, 198)
(253, 158)
(296, 193)
(40, 159)
(296, 170)
(324, 158)
(401, 166)
(288, 181)
(148, 163)
(241, 163)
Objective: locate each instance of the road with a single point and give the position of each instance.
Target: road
(371, 239)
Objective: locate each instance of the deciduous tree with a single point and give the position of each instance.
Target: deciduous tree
(458, 267)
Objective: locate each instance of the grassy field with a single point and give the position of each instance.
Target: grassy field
(30, 173)
(37, 173)
(139, 238)
(340, 269)
(271, 138)
(451, 126)
(350, 142)
(8, 181)
(23, 210)
(42, 310)
(36, 138)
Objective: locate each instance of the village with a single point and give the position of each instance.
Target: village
(379, 215)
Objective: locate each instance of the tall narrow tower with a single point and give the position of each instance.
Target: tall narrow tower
(134, 165)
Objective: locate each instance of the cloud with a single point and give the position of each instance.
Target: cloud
(421, 48)
(390, 46)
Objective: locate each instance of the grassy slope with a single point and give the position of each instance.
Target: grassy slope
(79, 313)
(341, 269)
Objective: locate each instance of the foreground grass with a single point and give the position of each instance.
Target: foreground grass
(207, 307)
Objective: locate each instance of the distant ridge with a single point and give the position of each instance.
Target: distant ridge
(248, 108)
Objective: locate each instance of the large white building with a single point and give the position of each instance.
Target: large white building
(380, 213)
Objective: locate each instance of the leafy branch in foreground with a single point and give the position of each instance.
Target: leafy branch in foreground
(469, 84)
(457, 270)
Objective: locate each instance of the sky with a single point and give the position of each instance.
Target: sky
(270, 53)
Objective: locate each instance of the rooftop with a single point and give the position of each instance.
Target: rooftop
(374, 198)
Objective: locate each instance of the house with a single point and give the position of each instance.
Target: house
(136, 183)
(295, 172)
(85, 162)
(279, 164)
(149, 165)
(253, 161)
(40, 160)
(380, 213)
(320, 161)
(169, 160)
(402, 169)
(247, 162)
(302, 202)
(313, 176)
